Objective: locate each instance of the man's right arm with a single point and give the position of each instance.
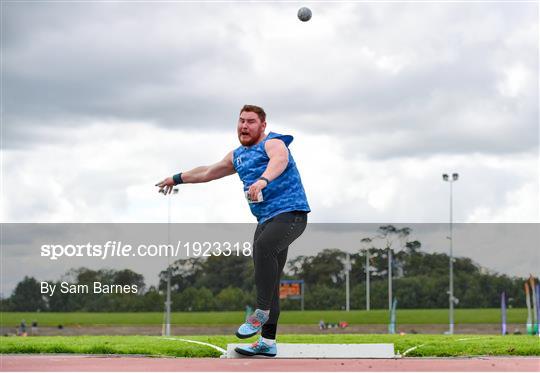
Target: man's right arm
(202, 174)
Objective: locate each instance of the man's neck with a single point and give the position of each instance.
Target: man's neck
(263, 136)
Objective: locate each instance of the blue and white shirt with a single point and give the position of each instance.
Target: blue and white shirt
(284, 193)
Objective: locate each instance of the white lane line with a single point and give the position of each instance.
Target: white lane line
(412, 349)
(197, 342)
(460, 339)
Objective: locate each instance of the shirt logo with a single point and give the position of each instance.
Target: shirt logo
(238, 161)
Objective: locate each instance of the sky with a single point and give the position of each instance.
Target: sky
(101, 100)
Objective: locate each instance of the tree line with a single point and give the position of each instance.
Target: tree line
(219, 283)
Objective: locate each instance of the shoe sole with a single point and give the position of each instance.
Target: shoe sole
(244, 336)
(247, 353)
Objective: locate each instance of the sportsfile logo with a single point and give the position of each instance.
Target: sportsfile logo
(119, 249)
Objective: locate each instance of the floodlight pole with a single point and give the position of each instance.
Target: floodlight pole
(168, 299)
(367, 279)
(451, 180)
(347, 287)
(366, 242)
(390, 277)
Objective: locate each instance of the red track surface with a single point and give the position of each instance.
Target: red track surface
(60, 363)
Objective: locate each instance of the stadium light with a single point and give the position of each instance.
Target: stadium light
(451, 299)
(348, 268)
(367, 241)
(168, 299)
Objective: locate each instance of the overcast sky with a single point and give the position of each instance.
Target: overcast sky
(102, 100)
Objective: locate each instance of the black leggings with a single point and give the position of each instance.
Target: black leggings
(270, 246)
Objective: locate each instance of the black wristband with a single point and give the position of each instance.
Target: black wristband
(178, 179)
(265, 179)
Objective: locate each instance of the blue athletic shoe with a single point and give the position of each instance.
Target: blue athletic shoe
(258, 348)
(252, 325)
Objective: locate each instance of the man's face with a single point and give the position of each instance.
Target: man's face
(250, 129)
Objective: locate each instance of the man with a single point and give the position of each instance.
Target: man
(277, 198)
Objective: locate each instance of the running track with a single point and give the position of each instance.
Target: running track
(89, 363)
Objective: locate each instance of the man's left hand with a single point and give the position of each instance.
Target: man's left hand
(255, 188)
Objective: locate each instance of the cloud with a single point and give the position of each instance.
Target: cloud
(413, 79)
(102, 100)
(103, 173)
(518, 203)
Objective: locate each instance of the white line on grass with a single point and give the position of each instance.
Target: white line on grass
(470, 339)
(199, 343)
(412, 349)
(460, 339)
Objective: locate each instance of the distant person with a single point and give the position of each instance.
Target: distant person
(276, 197)
(34, 329)
(22, 329)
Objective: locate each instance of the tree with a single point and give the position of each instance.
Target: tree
(60, 302)
(221, 271)
(128, 277)
(152, 300)
(325, 268)
(6, 305)
(231, 299)
(412, 247)
(27, 296)
(388, 233)
(321, 297)
(194, 299)
(213, 272)
(184, 273)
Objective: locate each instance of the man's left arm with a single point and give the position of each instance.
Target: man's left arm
(279, 158)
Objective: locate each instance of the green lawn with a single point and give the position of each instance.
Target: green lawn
(432, 316)
(427, 345)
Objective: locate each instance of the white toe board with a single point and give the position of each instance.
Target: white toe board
(324, 351)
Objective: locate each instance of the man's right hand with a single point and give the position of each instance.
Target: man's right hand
(201, 174)
(166, 186)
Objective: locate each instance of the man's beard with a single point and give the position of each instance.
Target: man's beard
(251, 141)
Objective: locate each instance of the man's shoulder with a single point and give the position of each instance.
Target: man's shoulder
(274, 143)
(287, 139)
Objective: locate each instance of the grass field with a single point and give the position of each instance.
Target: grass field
(431, 316)
(433, 345)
